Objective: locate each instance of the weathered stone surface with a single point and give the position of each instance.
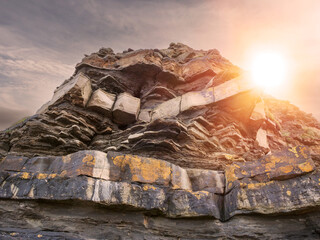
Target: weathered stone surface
(193, 99)
(12, 163)
(207, 180)
(262, 138)
(282, 196)
(198, 67)
(102, 101)
(232, 87)
(277, 183)
(126, 109)
(201, 203)
(77, 91)
(21, 220)
(258, 112)
(277, 166)
(145, 115)
(113, 180)
(205, 148)
(180, 178)
(146, 183)
(170, 108)
(144, 170)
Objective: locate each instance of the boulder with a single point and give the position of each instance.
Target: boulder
(126, 109)
(102, 101)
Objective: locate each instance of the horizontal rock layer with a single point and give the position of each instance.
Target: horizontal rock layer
(274, 184)
(161, 141)
(71, 220)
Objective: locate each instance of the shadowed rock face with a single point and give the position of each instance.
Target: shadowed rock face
(168, 134)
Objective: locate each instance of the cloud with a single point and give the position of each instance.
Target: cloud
(10, 116)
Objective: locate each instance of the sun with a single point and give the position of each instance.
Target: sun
(268, 70)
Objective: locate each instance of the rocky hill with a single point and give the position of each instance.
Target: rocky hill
(161, 144)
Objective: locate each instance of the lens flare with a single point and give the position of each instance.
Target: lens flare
(268, 70)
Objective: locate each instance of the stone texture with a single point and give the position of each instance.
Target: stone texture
(180, 178)
(258, 112)
(145, 115)
(77, 91)
(280, 182)
(207, 180)
(262, 138)
(188, 165)
(126, 109)
(21, 220)
(107, 179)
(232, 87)
(170, 108)
(102, 101)
(193, 99)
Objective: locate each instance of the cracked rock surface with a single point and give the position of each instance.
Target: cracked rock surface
(161, 144)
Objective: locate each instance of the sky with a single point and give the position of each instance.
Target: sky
(41, 41)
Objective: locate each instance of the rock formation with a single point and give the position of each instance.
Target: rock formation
(161, 144)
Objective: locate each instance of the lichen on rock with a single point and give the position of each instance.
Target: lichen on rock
(177, 135)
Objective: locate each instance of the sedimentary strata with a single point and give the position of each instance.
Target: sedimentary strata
(158, 141)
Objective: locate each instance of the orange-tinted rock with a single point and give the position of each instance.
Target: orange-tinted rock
(277, 166)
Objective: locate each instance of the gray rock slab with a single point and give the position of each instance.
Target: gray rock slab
(170, 108)
(126, 109)
(200, 98)
(102, 101)
(232, 87)
(207, 180)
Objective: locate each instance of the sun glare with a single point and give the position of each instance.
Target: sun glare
(268, 70)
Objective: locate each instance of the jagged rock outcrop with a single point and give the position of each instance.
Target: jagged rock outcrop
(159, 141)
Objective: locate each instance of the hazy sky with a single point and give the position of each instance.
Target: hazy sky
(42, 40)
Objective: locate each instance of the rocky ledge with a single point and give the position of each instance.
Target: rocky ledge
(161, 144)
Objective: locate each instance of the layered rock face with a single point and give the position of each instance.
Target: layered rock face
(161, 144)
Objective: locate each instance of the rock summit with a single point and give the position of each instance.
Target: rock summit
(161, 144)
